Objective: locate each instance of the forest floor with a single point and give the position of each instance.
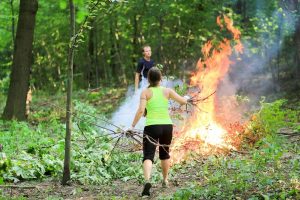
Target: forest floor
(189, 173)
(52, 189)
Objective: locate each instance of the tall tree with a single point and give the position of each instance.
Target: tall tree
(12, 20)
(22, 61)
(297, 39)
(66, 173)
(91, 52)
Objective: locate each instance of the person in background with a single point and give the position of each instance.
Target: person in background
(143, 66)
(159, 126)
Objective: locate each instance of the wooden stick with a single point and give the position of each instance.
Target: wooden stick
(290, 134)
(18, 186)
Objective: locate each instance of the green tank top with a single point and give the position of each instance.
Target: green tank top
(157, 108)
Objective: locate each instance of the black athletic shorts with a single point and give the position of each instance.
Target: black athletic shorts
(161, 134)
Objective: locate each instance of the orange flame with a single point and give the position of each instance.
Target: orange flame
(204, 125)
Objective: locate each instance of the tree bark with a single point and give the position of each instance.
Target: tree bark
(113, 53)
(279, 44)
(241, 8)
(66, 174)
(22, 60)
(117, 47)
(12, 21)
(297, 40)
(135, 45)
(297, 55)
(91, 50)
(160, 47)
(96, 55)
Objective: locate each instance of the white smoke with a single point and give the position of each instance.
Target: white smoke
(124, 115)
(251, 73)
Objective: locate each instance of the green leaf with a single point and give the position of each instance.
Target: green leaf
(80, 16)
(266, 197)
(63, 4)
(126, 178)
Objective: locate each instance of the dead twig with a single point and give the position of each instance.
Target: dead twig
(81, 131)
(118, 134)
(239, 151)
(194, 100)
(114, 146)
(18, 186)
(293, 134)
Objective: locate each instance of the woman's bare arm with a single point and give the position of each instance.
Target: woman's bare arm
(176, 97)
(140, 111)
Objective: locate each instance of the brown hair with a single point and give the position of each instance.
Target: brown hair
(154, 76)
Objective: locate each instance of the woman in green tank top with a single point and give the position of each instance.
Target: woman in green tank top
(159, 126)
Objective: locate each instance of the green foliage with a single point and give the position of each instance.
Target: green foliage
(27, 149)
(4, 83)
(269, 120)
(6, 43)
(101, 97)
(115, 36)
(4, 165)
(25, 167)
(13, 198)
(110, 41)
(266, 173)
(110, 44)
(42, 154)
(181, 89)
(132, 169)
(270, 171)
(274, 116)
(2, 102)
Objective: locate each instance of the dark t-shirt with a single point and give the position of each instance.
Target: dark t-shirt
(144, 66)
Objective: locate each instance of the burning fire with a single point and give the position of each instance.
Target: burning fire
(205, 128)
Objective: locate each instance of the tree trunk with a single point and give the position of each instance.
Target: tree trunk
(22, 61)
(66, 173)
(279, 44)
(297, 35)
(12, 21)
(160, 39)
(113, 53)
(117, 47)
(135, 45)
(241, 8)
(96, 56)
(91, 50)
(297, 40)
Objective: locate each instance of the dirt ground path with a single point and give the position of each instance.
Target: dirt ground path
(53, 190)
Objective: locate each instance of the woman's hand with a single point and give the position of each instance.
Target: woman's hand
(187, 98)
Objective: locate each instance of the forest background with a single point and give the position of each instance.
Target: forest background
(106, 54)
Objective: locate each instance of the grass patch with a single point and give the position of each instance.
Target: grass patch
(270, 169)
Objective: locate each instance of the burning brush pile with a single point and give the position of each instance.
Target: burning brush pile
(216, 123)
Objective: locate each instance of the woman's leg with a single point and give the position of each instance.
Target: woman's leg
(147, 166)
(165, 139)
(165, 166)
(149, 149)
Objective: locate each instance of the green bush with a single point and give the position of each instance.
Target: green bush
(274, 115)
(37, 151)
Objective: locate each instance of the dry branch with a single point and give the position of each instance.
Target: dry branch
(18, 186)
